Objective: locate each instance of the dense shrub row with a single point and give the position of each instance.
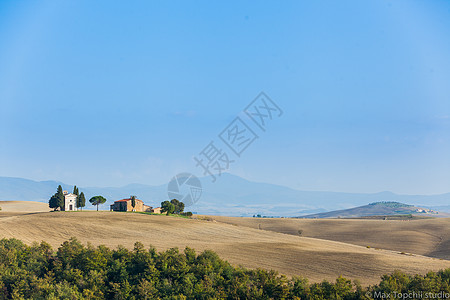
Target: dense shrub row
(75, 271)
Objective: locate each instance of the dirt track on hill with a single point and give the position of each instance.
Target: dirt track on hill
(312, 258)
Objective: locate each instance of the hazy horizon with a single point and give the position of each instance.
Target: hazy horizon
(109, 94)
(206, 179)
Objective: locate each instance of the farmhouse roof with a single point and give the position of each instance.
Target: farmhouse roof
(129, 199)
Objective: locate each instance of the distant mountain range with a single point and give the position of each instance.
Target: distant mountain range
(229, 195)
(379, 209)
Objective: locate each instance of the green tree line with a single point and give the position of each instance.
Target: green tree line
(75, 271)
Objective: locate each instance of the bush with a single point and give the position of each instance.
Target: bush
(76, 271)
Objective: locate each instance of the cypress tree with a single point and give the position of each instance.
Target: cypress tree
(133, 201)
(77, 193)
(81, 201)
(60, 198)
(57, 200)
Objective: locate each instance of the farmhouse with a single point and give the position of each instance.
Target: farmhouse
(157, 210)
(125, 205)
(70, 201)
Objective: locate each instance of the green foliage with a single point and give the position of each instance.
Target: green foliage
(97, 200)
(173, 207)
(60, 197)
(76, 191)
(57, 200)
(53, 203)
(179, 206)
(133, 201)
(81, 201)
(187, 214)
(76, 271)
(167, 207)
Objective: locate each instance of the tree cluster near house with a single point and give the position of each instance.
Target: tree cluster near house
(57, 200)
(174, 207)
(167, 207)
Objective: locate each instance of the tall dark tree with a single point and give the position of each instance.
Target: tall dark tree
(53, 203)
(97, 200)
(60, 197)
(81, 201)
(133, 202)
(179, 206)
(57, 200)
(77, 193)
(167, 207)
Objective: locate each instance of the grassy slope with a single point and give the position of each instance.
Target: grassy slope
(376, 209)
(430, 237)
(23, 206)
(292, 255)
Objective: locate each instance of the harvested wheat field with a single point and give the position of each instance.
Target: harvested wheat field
(429, 237)
(22, 207)
(312, 258)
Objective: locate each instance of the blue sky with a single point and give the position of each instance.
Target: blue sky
(108, 93)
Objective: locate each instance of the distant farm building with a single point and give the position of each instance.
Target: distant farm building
(125, 205)
(156, 210)
(70, 201)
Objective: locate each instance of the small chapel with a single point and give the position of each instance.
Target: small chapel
(70, 201)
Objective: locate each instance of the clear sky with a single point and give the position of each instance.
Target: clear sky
(107, 93)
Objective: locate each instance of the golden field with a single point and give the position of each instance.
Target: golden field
(325, 250)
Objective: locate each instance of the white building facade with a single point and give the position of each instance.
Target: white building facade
(70, 201)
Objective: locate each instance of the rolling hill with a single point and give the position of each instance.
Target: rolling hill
(429, 237)
(313, 258)
(23, 206)
(379, 209)
(230, 195)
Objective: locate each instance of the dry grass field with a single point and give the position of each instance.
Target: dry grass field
(429, 237)
(22, 207)
(313, 258)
